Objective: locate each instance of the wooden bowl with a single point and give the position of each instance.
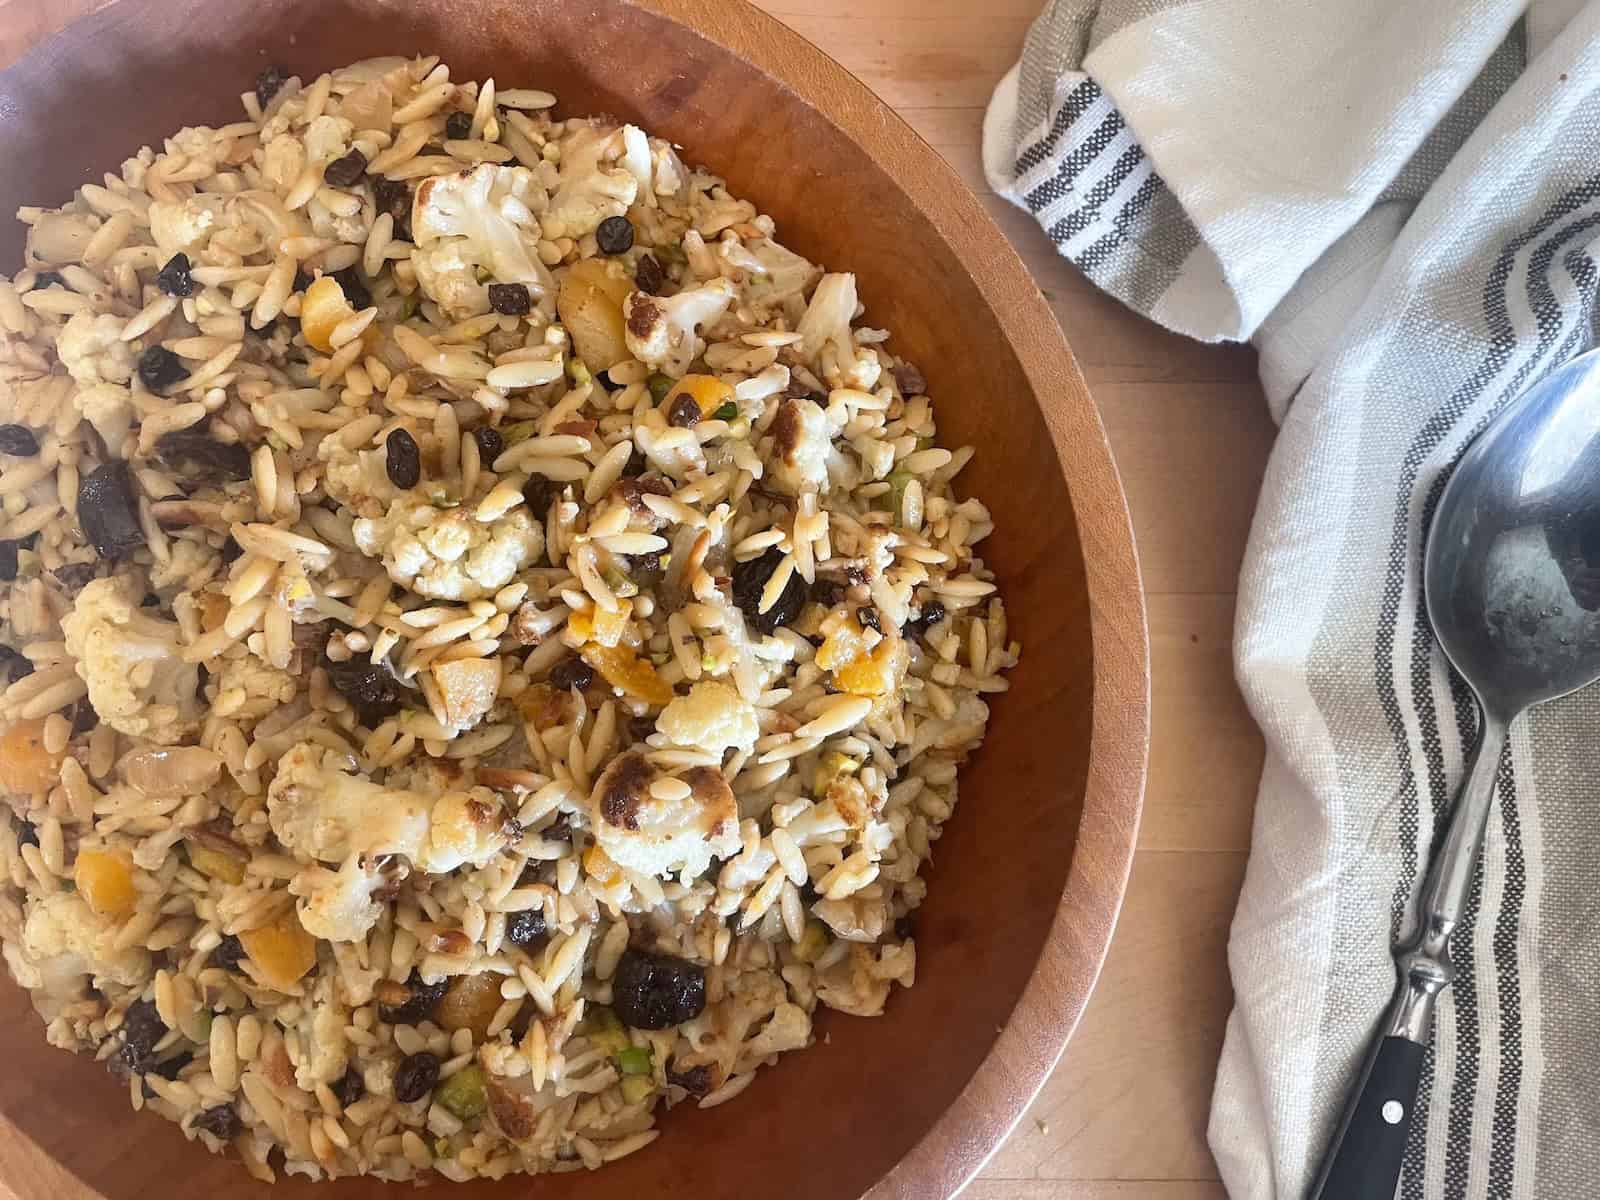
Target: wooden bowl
(1031, 871)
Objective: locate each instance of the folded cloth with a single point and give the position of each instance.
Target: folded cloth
(1399, 201)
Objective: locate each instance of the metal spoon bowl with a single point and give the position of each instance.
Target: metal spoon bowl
(1512, 581)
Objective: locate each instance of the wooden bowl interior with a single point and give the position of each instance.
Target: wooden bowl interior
(830, 1122)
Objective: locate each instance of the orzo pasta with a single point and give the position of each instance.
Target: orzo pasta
(488, 635)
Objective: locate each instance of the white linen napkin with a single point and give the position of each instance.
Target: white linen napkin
(1399, 202)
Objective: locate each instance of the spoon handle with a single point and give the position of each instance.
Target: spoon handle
(1364, 1160)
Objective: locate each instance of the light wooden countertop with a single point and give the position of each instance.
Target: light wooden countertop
(1124, 1115)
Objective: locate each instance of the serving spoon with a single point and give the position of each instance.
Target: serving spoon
(1512, 579)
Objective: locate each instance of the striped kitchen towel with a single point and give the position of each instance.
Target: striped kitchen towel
(1399, 202)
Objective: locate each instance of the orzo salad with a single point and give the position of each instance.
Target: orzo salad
(488, 635)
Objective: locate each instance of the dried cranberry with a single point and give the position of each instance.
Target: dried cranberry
(750, 581)
(174, 278)
(458, 126)
(510, 299)
(649, 275)
(615, 235)
(345, 170)
(403, 459)
(221, 1121)
(525, 928)
(657, 991)
(571, 672)
(416, 1077)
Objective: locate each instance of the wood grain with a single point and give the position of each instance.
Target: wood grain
(1123, 1116)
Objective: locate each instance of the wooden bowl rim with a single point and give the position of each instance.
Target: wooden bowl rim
(952, 1151)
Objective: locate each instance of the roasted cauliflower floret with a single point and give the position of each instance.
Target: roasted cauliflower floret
(782, 274)
(447, 554)
(675, 829)
(481, 222)
(593, 184)
(185, 225)
(713, 716)
(90, 346)
(138, 681)
(337, 906)
(106, 406)
(828, 316)
(662, 330)
(317, 808)
(64, 946)
(802, 447)
(249, 689)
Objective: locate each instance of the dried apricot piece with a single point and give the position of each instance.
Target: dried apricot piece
(105, 880)
(26, 767)
(281, 952)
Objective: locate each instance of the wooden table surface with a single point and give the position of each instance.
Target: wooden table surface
(1124, 1115)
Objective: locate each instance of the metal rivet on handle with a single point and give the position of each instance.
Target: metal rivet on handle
(1393, 1110)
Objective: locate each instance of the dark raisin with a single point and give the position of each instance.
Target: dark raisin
(646, 569)
(18, 441)
(867, 618)
(345, 170)
(84, 717)
(160, 368)
(174, 278)
(525, 928)
(354, 288)
(615, 235)
(856, 574)
(932, 613)
(684, 411)
(510, 299)
(797, 390)
(302, 279)
(421, 1000)
(46, 279)
(649, 276)
(458, 126)
(266, 331)
(231, 549)
(827, 592)
(370, 687)
(571, 672)
(27, 835)
(170, 1068)
(540, 493)
(694, 1080)
(14, 665)
(906, 927)
(350, 1088)
(636, 465)
(268, 83)
(107, 511)
(560, 830)
(8, 560)
(750, 580)
(142, 1028)
(404, 461)
(809, 894)
(74, 575)
(910, 381)
(228, 953)
(394, 198)
(221, 1121)
(195, 453)
(416, 1077)
(490, 445)
(657, 991)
